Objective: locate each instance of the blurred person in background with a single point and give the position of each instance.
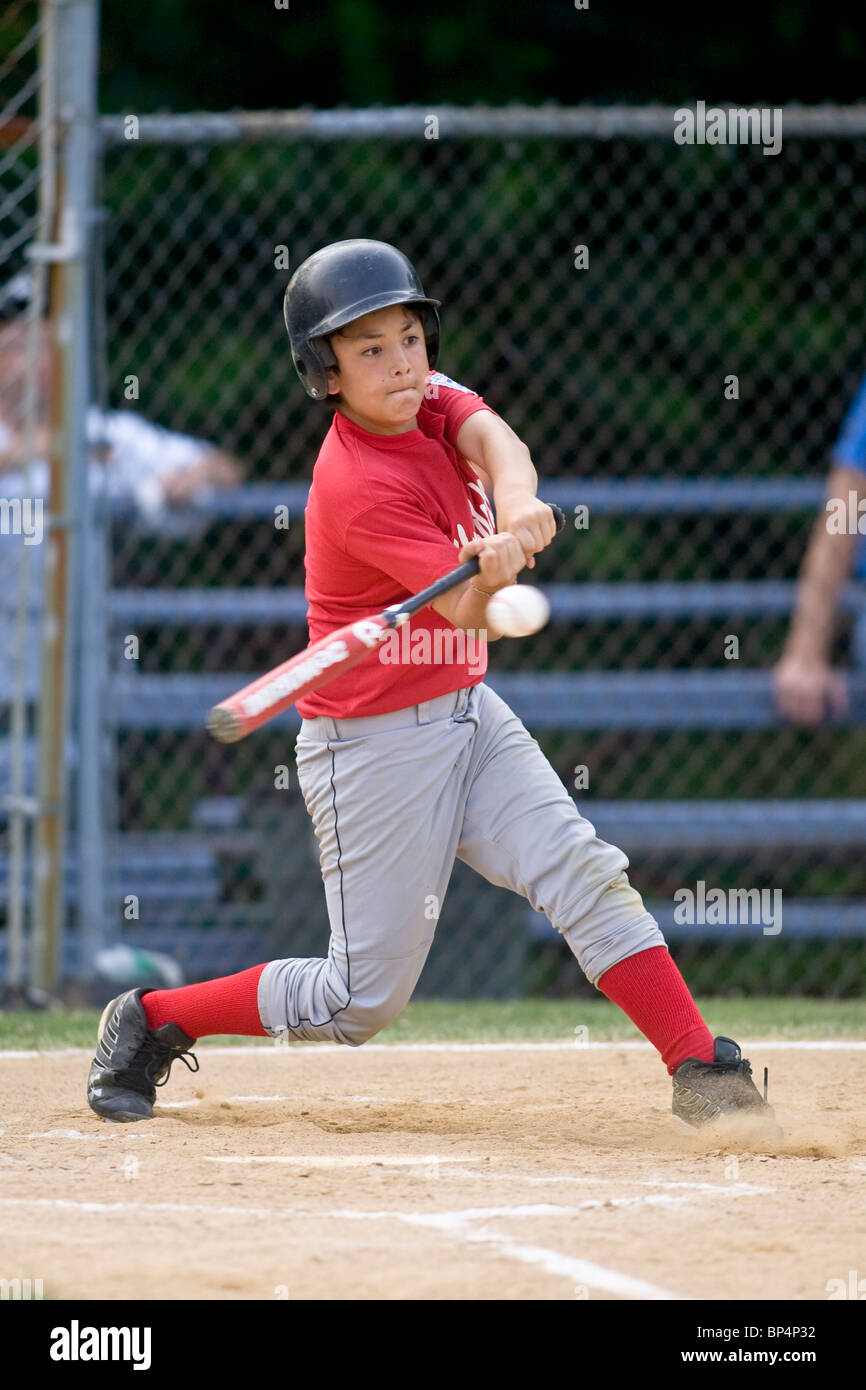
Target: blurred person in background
(158, 472)
(805, 686)
(131, 458)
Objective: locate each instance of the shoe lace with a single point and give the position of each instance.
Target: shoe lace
(159, 1056)
(742, 1068)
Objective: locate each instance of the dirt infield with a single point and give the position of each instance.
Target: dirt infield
(541, 1172)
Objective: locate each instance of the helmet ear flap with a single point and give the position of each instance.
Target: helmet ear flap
(325, 353)
(429, 317)
(323, 359)
(312, 362)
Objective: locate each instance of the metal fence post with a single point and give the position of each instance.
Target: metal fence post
(26, 222)
(68, 545)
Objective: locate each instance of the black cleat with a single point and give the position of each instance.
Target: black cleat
(132, 1060)
(704, 1091)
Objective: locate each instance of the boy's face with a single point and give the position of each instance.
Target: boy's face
(382, 369)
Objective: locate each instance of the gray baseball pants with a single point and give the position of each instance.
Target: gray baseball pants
(393, 799)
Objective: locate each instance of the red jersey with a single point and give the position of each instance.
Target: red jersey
(386, 515)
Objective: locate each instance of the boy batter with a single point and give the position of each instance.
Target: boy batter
(405, 766)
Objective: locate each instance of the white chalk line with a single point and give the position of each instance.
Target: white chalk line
(113, 1208)
(346, 1160)
(655, 1199)
(391, 1100)
(434, 1161)
(745, 1189)
(584, 1272)
(367, 1100)
(457, 1223)
(731, 1189)
(76, 1134)
(315, 1049)
(420, 1161)
(262, 1098)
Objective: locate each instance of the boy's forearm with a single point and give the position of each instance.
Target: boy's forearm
(471, 613)
(506, 459)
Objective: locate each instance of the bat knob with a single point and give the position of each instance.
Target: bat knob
(558, 515)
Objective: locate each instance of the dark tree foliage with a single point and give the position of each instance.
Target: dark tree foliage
(187, 55)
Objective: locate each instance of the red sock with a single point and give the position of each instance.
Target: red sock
(650, 989)
(229, 1005)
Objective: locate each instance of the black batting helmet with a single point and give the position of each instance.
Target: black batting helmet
(340, 283)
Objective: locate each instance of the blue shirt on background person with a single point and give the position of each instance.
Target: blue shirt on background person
(850, 452)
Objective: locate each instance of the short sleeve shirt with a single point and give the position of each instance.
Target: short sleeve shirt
(386, 516)
(850, 452)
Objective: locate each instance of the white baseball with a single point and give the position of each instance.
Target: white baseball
(518, 610)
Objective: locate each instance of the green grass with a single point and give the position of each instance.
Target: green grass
(522, 1020)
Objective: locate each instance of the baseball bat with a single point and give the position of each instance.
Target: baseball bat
(267, 696)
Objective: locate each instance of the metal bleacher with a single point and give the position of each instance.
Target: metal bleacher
(187, 864)
(693, 699)
(546, 700)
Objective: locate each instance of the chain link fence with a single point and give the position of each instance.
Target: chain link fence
(21, 33)
(51, 638)
(651, 318)
(20, 30)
